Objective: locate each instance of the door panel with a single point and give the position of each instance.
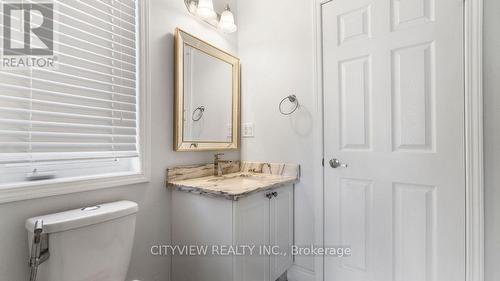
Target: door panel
(414, 232)
(394, 113)
(355, 103)
(413, 98)
(354, 25)
(355, 207)
(408, 13)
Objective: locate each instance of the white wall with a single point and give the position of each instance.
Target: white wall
(276, 46)
(492, 137)
(153, 198)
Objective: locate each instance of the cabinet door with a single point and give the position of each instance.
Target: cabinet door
(252, 228)
(281, 224)
(200, 220)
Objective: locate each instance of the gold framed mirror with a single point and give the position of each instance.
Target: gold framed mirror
(207, 96)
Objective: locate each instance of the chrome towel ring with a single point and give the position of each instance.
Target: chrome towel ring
(293, 99)
(198, 113)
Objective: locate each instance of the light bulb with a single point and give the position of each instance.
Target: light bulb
(192, 7)
(226, 22)
(206, 9)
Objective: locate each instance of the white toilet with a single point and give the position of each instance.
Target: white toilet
(87, 244)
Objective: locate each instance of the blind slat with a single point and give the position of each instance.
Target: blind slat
(93, 9)
(93, 27)
(57, 134)
(74, 68)
(66, 115)
(121, 48)
(69, 50)
(66, 59)
(62, 94)
(86, 43)
(65, 124)
(116, 9)
(14, 158)
(116, 55)
(64, 144)
(86, 55)
(76, 78)
(130, 3)
(127, 49)
(96, 18)
(73, 86)
(70, 105)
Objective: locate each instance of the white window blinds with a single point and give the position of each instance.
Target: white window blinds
(85, 107)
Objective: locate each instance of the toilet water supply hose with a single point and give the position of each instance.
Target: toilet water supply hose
(37, 255)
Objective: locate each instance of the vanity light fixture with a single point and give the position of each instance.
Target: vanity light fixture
(204, 9)
(192, 7)
(226, 22)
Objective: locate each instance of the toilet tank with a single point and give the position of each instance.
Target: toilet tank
(88, 244)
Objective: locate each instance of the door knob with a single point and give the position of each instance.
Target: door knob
(335, 163)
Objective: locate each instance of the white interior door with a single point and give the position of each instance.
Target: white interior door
(394, 113)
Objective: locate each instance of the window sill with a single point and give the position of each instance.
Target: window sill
(33, 190)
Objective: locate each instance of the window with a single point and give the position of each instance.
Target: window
(81, 116)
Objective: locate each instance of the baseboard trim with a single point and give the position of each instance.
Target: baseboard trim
(298, 273)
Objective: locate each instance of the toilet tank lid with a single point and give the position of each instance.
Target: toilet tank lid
(83, 216)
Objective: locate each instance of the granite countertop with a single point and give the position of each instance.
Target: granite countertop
(241, 179)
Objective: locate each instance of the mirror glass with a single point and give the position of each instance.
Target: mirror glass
(208, 93)
(207, 96)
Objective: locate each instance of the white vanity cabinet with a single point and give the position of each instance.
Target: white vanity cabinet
(263, 219)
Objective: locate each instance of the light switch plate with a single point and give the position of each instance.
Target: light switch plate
(248, 130)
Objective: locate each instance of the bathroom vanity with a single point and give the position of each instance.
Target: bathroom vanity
(250, 205)
(239, 215)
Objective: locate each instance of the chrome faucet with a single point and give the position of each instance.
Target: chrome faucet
(218, 164)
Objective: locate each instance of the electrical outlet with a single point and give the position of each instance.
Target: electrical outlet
(248, 130)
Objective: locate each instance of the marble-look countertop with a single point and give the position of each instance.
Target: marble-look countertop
(251, 178)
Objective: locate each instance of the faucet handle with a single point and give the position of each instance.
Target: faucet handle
(218, 155)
